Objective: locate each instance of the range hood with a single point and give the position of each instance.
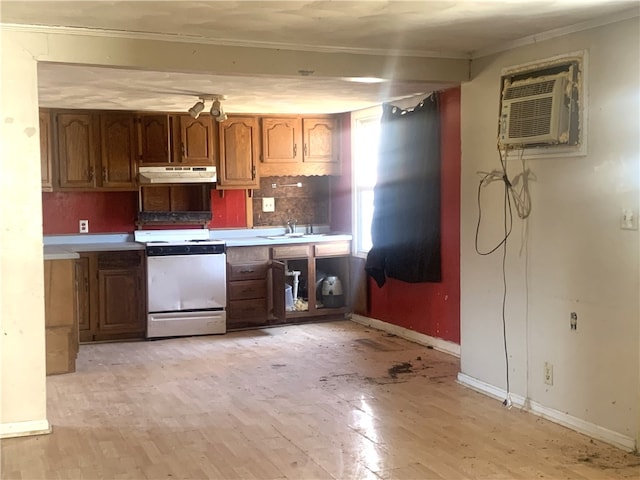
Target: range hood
(177, 174)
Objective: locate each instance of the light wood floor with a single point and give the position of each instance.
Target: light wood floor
(322, 401)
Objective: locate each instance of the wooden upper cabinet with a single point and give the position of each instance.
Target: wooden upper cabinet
(197, 140)
(320, 140)
(77, 141)
(153, 135)
(239, 150)
(118, 150)
(300, 146)
(282, 140)
(46, 156)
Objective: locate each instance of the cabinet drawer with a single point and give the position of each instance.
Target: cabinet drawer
(247, 289)
(331, 249)
(241, 309)
(290, 251)
(247, 270)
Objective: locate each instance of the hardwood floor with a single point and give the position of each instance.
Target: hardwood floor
(331, 400)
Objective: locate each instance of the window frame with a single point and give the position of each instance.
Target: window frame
(358, 117)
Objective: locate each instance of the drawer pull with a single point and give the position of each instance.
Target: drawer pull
(247, 270)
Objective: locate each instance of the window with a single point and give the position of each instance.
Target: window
(365, 133)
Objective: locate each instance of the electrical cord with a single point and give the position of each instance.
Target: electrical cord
(522, 204)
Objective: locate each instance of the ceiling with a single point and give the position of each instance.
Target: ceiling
(443, 29)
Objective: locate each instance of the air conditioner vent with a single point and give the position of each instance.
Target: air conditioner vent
(528, 90)
(530, 118)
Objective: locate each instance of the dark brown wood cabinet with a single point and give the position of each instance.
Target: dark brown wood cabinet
(77, 150)
(95, 151)
(153, 138)
(115, 291)
(239, 151)
(300, 146)
(118, 151)
(197, 143)
(180, 139)
(312, 261)
(282, 140)
(247, 296)
(46, 157)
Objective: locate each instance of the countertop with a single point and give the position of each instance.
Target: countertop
(60, 247)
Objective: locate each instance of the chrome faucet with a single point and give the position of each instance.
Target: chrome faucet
(291, 224)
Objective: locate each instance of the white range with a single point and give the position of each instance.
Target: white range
(186, 282)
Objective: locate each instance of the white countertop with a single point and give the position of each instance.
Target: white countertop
(60, 247)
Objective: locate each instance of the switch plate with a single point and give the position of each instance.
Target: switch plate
(84, 226)
(268, 204)
(629, 219)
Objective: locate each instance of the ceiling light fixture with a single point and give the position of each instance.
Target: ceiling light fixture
(196, 109)
(216, 110)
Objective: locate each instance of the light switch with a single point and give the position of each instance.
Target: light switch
(629, 219)
(268, 204)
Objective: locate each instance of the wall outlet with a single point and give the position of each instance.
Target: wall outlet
(628, 219)
(268, 204)
(84, 226)
(548, 373)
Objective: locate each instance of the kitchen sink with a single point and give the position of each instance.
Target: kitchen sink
(296, 235)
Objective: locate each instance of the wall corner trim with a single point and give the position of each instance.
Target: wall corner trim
(411, 335)
(25, 429)
(574, 423)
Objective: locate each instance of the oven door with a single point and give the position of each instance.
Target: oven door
(186, 282)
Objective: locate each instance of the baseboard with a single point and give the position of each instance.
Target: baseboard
(437, 343)
(574, 423)
(24, 429)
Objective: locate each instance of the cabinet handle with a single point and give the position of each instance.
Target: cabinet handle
(253, 172)
(247, 271)
(295, 149)
(305, 150)
(91, 172)
(182, 149)
(104, 174)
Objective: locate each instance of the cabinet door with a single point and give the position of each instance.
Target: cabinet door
(118, 142)
(153, 134)
(281, 140)
(278, 284)
(83, 299)
(197, 143)
(320, 140)
(76, 141)
(121, 312)
(45, 150)
(239, 149)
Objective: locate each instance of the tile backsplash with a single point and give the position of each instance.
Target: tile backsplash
(308, 204)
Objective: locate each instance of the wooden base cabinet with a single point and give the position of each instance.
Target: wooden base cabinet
(112, 295)
(314, 262)
(61, 326)
(247, 297)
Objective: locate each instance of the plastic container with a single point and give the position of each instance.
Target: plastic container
(288, 298)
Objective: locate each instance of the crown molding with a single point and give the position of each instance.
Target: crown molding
(558, 32)
(167, 37)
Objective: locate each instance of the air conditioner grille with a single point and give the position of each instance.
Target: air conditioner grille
(530, 118)
(528, 90)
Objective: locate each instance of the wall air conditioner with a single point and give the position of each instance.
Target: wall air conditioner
(536, 111)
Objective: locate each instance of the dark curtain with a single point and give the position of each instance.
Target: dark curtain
(406, 219)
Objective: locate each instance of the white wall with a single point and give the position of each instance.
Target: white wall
(23, 404)
(570, 255)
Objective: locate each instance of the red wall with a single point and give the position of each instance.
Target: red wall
(433, 308)
(110, 212)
